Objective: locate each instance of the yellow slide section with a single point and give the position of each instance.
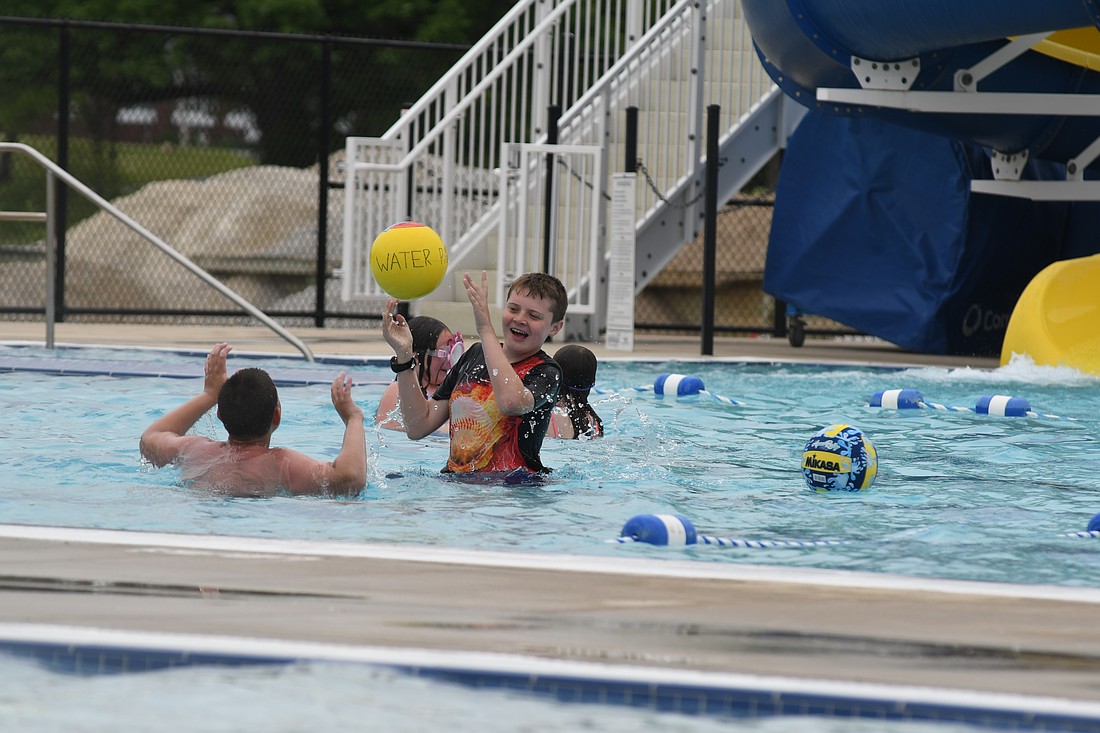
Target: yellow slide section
(1056, 321)
(1080, 46)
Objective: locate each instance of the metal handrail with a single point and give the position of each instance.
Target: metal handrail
(52, 170)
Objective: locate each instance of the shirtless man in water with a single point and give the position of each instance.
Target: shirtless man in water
(246, 464)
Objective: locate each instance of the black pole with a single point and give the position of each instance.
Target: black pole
(630, 165)
(64, 96)
(324, 139)
(410, 180)
(779, 319)
(710, 230)
(554, 114)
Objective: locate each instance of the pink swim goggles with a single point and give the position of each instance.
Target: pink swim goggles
(453, 352)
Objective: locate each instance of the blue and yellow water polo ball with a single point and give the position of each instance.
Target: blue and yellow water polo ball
(408, 260)
(839, 458)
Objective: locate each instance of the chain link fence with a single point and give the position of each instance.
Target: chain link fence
(227, 146)
(673, 303)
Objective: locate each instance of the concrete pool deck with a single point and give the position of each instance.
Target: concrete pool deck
(707, 617)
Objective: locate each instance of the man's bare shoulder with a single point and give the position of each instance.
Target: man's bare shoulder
(198, 446)
(302, 474)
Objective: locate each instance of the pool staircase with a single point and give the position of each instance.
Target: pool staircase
(512, 154)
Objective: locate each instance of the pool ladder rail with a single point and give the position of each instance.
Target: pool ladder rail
(54, 171)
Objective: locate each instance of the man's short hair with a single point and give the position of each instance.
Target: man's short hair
(246, 404)
(541, 285)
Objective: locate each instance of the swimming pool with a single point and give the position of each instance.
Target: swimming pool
(958, 495)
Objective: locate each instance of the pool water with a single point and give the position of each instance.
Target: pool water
(958, 495)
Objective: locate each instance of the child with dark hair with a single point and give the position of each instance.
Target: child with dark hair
(498, 398)
(573, 416)
(436, 350)
(246, 464)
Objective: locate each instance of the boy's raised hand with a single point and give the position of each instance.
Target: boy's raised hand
(479, 299)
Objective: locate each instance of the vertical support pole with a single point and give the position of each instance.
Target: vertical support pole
(61, 207)
(51, 255)
(324, 139)
(710, 230)
(542, 69)
(779, 319)
(553, 116)
(694, 147)
(630, 141)
(451, 153)
(634, 23)
(409, 180)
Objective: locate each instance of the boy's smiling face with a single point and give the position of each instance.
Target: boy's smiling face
(527, 322)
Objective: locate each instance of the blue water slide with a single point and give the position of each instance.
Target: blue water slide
(809, 44)
(876, 223)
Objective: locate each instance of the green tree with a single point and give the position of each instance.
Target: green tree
(278, 83)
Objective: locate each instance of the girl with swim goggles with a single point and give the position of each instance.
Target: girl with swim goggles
(453, 351)
(427, 333)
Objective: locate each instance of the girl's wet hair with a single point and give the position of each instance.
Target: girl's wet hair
(425, 332)
(578, 365)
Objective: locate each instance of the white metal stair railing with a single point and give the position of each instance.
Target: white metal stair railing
(450, 140)
(55, 172)
(692, 57)
(565, 242)
(698, 56)
(689, 57)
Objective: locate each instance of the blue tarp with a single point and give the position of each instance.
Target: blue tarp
(875, 227)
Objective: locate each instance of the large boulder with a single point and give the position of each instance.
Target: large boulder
(253, 228)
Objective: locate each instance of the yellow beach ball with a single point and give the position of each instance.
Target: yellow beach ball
(408, 260)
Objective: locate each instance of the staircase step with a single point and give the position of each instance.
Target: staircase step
(457, 316)
(460, 288)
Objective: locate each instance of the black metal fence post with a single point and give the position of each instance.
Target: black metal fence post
(324, 139)
(630, 142)
(710, 230)
(61, 197)
(554, 115)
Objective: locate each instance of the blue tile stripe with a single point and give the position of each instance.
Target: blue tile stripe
(685, 699)
(282, 376)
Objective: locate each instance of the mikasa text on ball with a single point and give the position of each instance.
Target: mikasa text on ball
(408, 260)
